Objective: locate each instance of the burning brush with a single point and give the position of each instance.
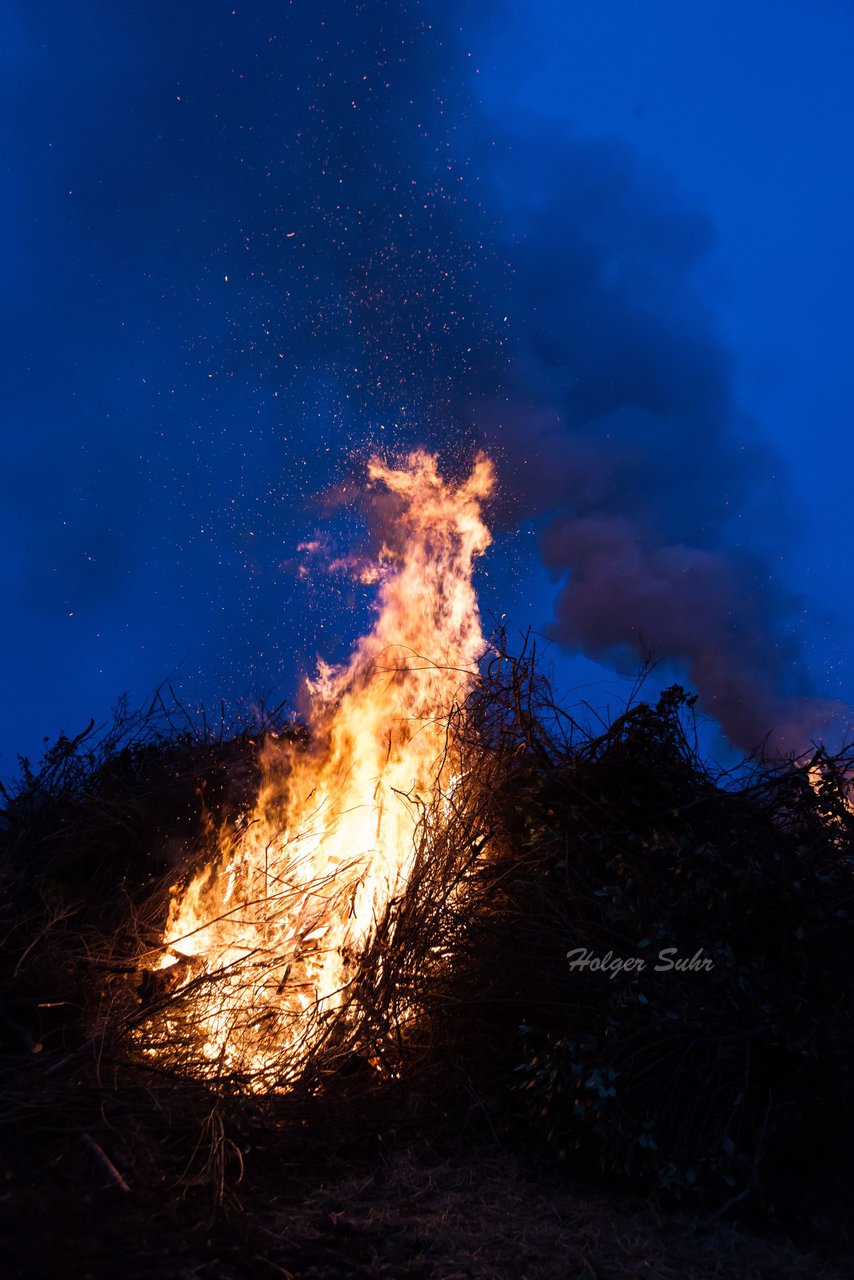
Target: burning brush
(281, 948)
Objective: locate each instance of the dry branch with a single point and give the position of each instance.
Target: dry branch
(105, 1162)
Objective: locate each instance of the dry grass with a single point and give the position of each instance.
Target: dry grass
(483, 1215)
(469, 1211)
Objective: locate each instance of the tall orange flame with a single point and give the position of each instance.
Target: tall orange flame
(281, 916)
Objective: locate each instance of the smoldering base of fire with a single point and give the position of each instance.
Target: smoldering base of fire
(733, 1084)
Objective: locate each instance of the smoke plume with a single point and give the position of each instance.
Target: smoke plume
(624, 442)
(270, 236)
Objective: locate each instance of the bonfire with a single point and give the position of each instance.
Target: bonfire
(205, 931)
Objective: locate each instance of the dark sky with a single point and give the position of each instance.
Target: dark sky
(247, 243)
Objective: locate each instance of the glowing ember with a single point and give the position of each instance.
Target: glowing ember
(267, 939)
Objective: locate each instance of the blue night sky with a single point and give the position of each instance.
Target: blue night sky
(248, 243)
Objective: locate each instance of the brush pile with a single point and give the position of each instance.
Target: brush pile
(717, 1081)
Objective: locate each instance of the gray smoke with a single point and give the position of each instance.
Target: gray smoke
(623, 440)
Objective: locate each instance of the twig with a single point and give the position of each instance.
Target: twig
(105, 1162)
(56, 918)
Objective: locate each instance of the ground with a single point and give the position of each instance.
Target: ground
(464, 1209)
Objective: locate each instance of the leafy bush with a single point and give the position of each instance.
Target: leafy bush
(681, 1080)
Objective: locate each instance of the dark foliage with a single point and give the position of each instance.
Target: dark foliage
(720, 1056)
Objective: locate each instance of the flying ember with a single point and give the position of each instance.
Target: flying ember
(264, 945)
